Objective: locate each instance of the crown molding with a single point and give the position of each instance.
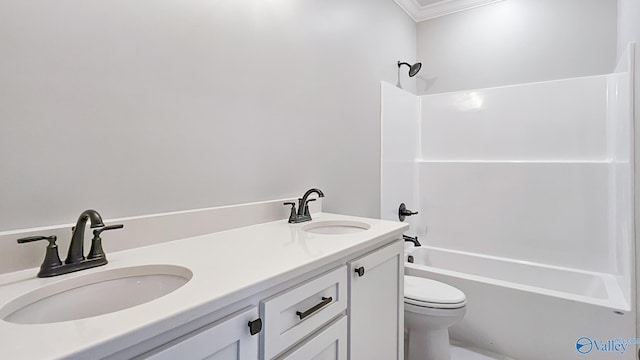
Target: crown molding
(421, 13)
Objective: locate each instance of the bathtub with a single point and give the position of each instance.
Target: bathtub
(529, 311)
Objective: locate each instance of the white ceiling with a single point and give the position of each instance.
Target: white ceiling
(421, 10)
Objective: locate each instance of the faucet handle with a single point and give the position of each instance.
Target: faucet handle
(51, 258)
(96, 251)
(293, 205)
(292, 215)
(306, 207)
(52, 239)
(99, 231)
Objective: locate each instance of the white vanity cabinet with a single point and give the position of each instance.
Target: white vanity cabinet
(376, 304)
(350, 311)
(227, 339)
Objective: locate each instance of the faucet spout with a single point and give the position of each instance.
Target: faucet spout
(302, 205)
(76, 248)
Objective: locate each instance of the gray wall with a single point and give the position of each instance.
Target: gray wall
(516, 41)
(159, 105)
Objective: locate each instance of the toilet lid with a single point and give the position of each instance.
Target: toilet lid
(431, 293)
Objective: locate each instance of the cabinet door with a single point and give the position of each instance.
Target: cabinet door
(227, 339)
(328, 344)
(376, 305)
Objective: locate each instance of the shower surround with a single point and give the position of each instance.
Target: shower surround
(530, 177)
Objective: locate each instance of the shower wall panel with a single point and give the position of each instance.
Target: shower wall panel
(523, 172)
(555, 120)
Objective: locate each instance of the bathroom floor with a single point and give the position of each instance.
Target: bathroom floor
(460, 353)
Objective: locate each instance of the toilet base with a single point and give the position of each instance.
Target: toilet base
(428, 345)
(428, 320)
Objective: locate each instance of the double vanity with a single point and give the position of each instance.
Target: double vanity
(329, 288)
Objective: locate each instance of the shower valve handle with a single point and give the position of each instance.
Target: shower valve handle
(403, 212)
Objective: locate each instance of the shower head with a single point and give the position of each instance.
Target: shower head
(413, 69)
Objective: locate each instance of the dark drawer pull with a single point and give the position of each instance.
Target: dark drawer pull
(325, 302)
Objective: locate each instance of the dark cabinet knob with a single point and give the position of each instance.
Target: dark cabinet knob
(360, 271)
(255, 326)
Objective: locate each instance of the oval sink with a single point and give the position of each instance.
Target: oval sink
(95, 294)
(336, 227)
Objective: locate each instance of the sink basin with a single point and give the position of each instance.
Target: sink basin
(336, 227)
(95, 294)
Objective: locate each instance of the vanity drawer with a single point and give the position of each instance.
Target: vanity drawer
(299, 311)
(330, 343)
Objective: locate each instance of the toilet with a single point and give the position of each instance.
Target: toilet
(430, 308)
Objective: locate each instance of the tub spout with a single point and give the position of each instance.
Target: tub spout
(414, 240)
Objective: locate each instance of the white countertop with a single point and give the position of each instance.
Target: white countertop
(227, 267)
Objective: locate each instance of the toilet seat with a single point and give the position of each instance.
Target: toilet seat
(432, 294)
